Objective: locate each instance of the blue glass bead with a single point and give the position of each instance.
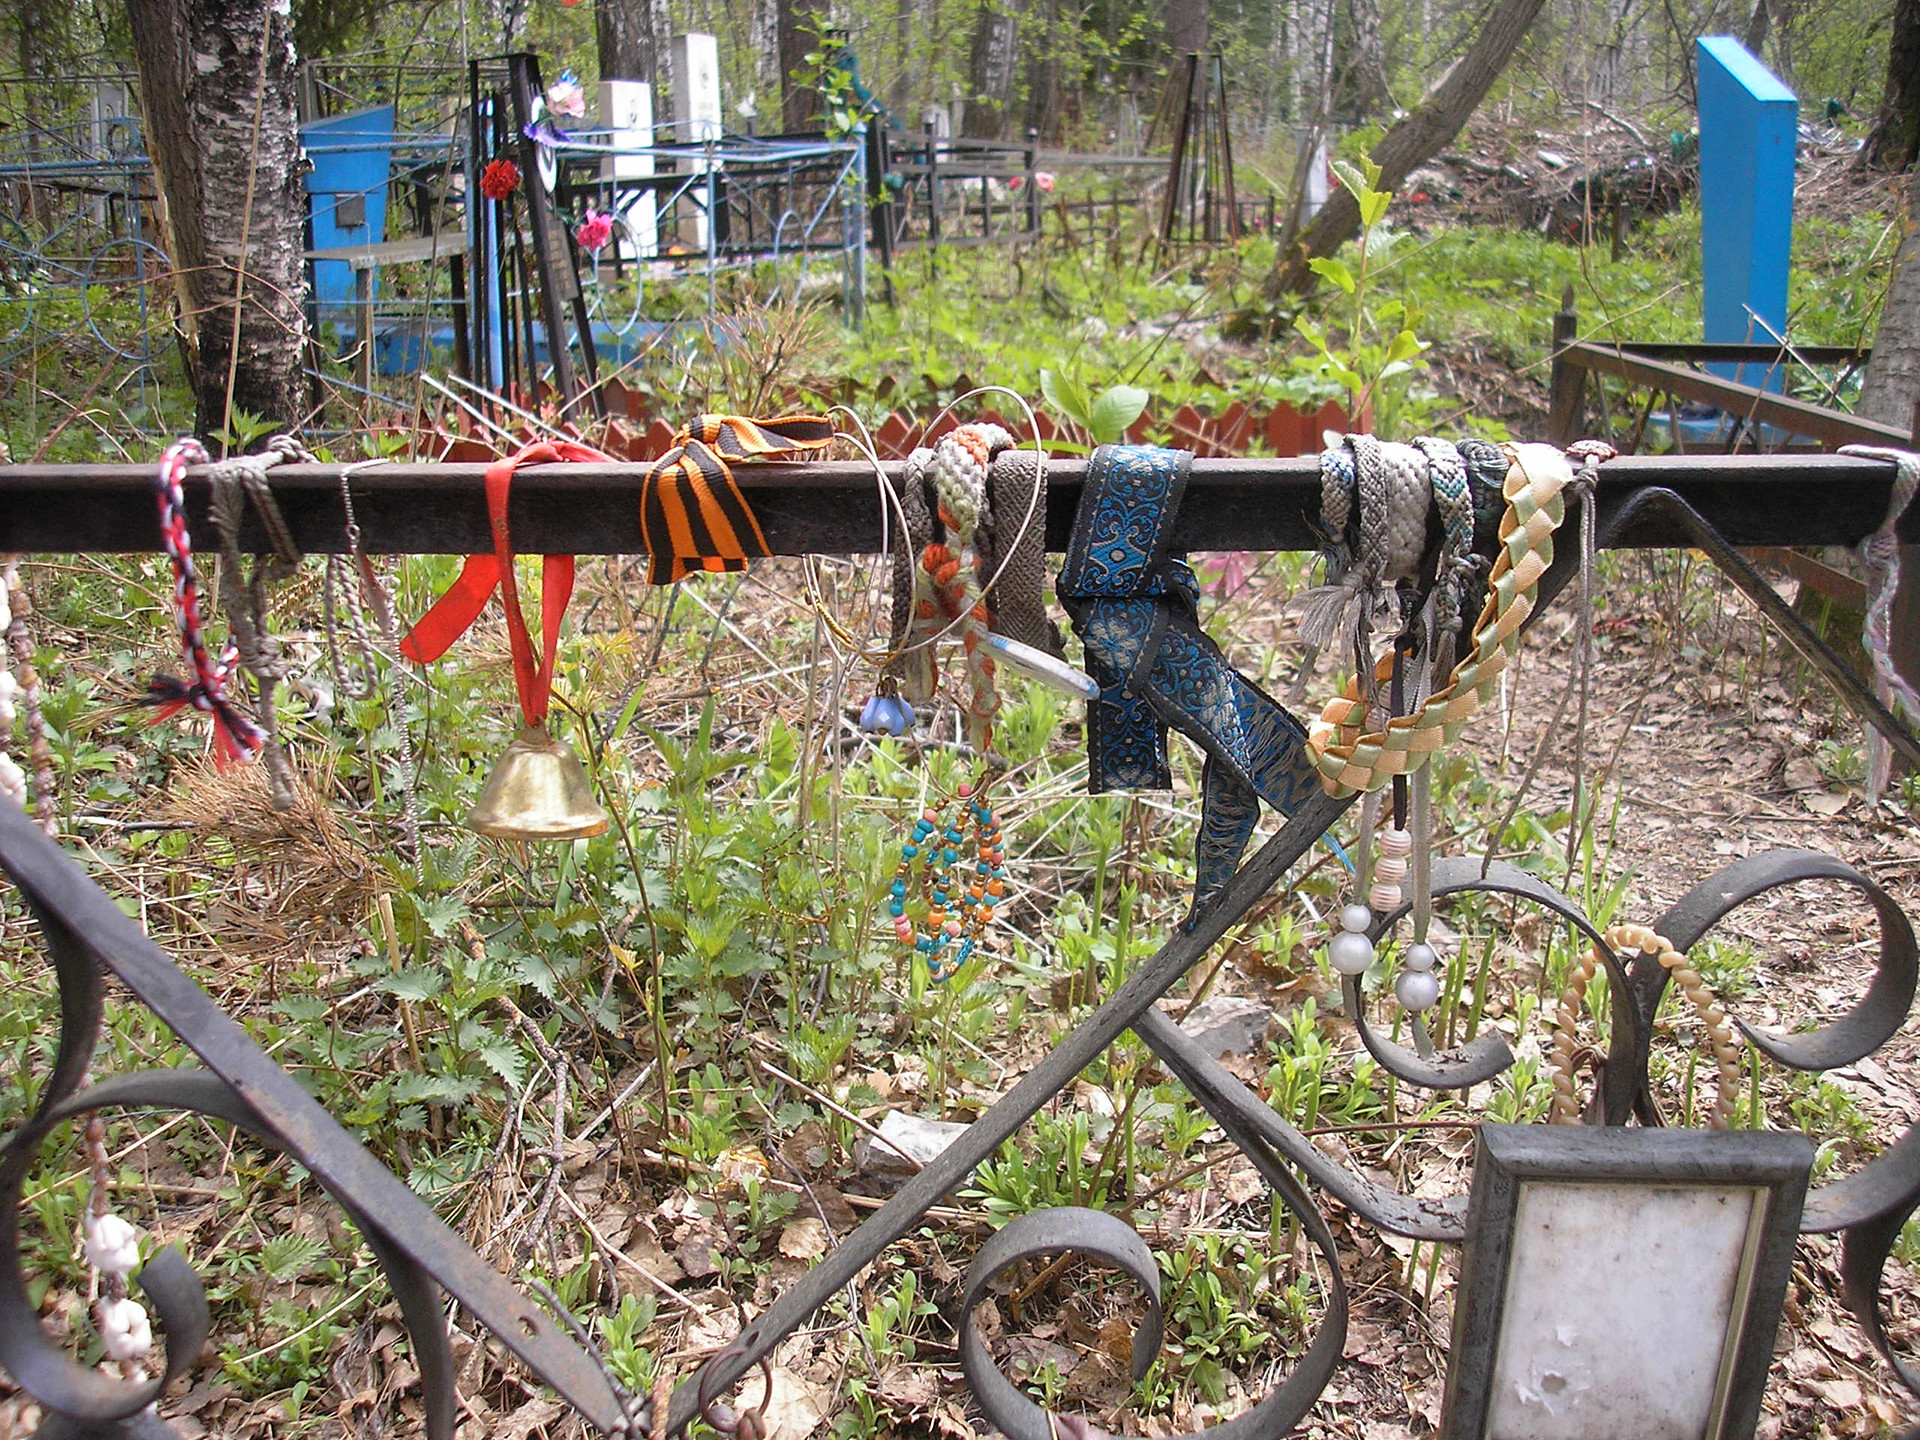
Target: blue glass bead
(947, 857)
(896, 908)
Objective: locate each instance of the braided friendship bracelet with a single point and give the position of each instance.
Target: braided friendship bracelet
(947, 593)
(1352, 758)
(1718, 1032)
(236, 736)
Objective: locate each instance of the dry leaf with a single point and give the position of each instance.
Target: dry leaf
(793, 1411)
(537, 1412)
(804, 1239)
(909, 1387)
(1841, 1394)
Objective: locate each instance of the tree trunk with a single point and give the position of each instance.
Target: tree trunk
(217, 90)
(801, 23)
(1895, 141)
(1892, 387)
(1756, 36)
(1366, 61)
(1427, 130)
(623, 35)
(990, 71)
(1187, 27)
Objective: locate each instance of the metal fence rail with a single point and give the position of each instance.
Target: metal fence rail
(1710, 503)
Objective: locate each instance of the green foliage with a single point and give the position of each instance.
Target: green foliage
(1104, 417)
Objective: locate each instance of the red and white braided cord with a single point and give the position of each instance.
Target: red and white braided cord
(235, 733)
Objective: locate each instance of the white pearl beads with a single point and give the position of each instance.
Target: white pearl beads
(1417, 990)
(1350, 952)
(1356, 918)
(1419, 957)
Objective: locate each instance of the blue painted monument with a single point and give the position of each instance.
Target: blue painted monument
(1748, 125)
(347, 192)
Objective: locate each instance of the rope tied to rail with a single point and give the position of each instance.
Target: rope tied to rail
(1880, 552)
(236, 483)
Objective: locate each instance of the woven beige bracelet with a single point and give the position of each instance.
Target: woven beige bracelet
(1351, 758)
(1718, 1037)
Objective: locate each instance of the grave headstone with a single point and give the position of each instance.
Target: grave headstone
(626, 114)
(695, 62)
(1748, 124)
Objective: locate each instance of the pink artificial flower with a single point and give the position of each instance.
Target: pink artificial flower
(1044, 179)
(595, 231)
(565, 97)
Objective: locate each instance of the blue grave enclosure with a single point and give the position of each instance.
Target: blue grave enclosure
(1748, 123)
(347, 193)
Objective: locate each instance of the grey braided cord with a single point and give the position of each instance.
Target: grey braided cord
(1018, 489)
(1336, 506)
(1371, 483)
(235, 483)
(1453, 497)
(1409, 497)
(911, 670)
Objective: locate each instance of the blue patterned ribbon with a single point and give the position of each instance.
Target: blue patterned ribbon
(1135, 606)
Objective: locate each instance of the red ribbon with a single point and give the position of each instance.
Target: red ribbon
(454, 612)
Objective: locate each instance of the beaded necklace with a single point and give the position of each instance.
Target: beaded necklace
(957, 909)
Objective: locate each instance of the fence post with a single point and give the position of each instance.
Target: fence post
(1033, 190)
(880, 200)
(1567, 383)
(933, 188)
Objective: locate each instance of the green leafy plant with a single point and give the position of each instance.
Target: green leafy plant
(1104, 418)
(1381, 342)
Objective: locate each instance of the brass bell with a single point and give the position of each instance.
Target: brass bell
(538, 791)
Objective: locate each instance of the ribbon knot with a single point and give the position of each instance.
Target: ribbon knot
(692, 515)
(454, 612)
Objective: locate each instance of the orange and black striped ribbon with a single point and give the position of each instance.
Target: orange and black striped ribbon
(692, 515)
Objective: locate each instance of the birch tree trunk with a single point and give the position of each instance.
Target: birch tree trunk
(1895, 141)
(990, 71)
(217, 91)
(1892, 387)
(623, 36)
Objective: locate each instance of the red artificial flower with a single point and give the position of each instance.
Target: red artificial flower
(595, 231)
(500, 179)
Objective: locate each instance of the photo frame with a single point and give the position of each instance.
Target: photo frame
(1622, 1281)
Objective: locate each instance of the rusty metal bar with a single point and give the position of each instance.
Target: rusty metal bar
(1814, 421)
(1764, 352)
(831, 507)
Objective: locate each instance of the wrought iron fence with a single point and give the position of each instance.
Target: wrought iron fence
(1711, 503)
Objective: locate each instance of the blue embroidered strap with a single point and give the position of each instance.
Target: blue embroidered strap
(1135, 606)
